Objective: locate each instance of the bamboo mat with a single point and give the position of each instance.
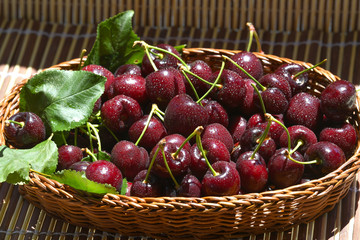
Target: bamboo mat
(26, 46)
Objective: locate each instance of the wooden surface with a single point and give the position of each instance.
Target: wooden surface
(30, 44)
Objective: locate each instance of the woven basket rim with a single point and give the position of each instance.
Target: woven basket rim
(309, 188)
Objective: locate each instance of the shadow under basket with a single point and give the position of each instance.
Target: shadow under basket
(188, 218)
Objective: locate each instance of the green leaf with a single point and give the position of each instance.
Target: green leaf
(15, 164)
(79, 181)
(63, 99)
(114, 43)
(99, 156)
(179, 48)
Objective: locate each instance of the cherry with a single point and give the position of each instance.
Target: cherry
(154, 132)
(288, 70)
(248, 108)
(284, 172)
(304, 109)
(275, 101)
(328, 155)
(68, 155)
(190, 186)
(129, 158)
(183, 115)
(160, 59)
(130, 85)
(249, 62)
(343, 135)
(216, 112)
(163, 85)
(146, 185)
(252, 171)
(338, 100)
(237, 127)
(225, 181)
(120, 112)
(24, 130)
(301, 137)
(218, 131)
(215, 151)
(80, 166)
(128, 69)
(232, 92)
(103, 171)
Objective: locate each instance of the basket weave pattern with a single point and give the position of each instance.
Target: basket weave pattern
(206, 217)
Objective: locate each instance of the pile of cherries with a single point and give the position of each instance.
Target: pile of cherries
(181, 129)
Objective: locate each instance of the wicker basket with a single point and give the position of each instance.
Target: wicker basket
(188, 218)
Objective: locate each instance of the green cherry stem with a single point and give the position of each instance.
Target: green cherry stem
(203, 153)
(191, 85)
(248, 74)
(170, 53)
(91, 154)
(214, 83)
(197, 131)
(40, 173)
(96, 133)
(63, 137)
(262, 104)
(21, 124)
(146, 47)
(253, 33)
(160, 148)
(82, 54)
(308, 69)
(262, 138)
(299, 143)
(154, 108)
(200, 78)
(168, 169)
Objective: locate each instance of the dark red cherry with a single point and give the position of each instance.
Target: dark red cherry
(338, 100)
(129, 158)
(80, 166)
(149, 188)
(216, 112)
(249, 62)
(237, 127)
(190, 186)
(183, 115)
(288, 70)
(128, 69)
(120, 112)
(218, 131)
(271, 80)
(28, 134)
(225, 183)
(283, 172)
(252, 171)
(68, 155)
(130, 85)
(298, 132)
(201, 69)
(103, 171)
(163, 85)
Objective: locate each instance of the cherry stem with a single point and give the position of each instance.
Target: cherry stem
(262, 138)
(112, 133)
(308, 69)
(200, 78)
(92, 155)
(214, 83)
(75, 136)
(146, 47)
(92, 126)
(168, 169)
(82, 54)
(21, 124)
(63, 137)
(40, 173)
(170, 53)
(160, 147)
(191, 85)
(299, 143)
(262, 104)
(248, 74)
(197, 131)
(154, 108)
(253, 33)
(203, 153)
